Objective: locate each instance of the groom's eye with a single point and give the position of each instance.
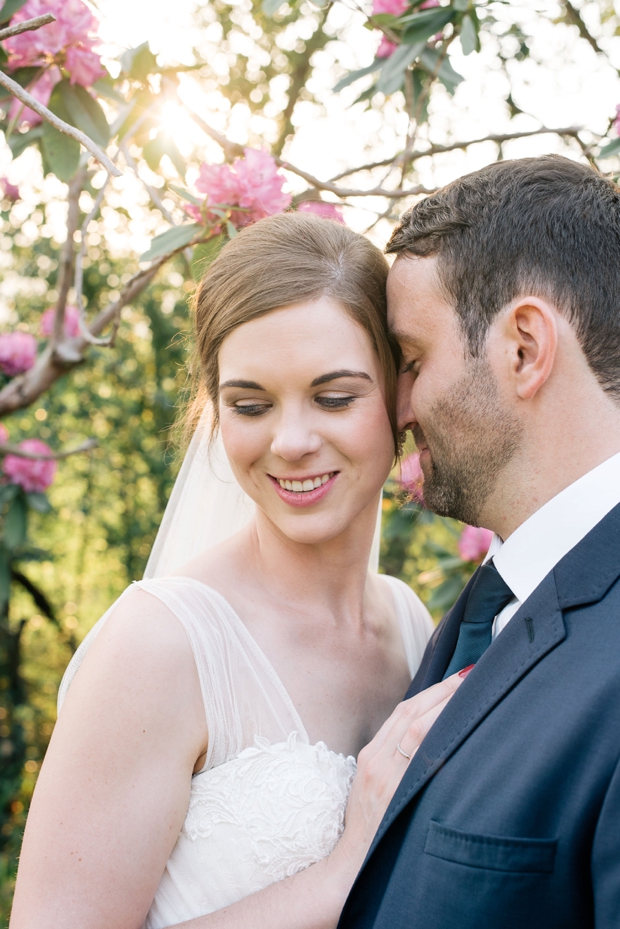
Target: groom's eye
(410, 367)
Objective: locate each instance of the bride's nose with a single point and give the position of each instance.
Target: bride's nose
(294, 438)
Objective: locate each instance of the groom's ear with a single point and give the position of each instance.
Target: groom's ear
(529, 333)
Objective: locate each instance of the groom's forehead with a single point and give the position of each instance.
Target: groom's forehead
(416, 299)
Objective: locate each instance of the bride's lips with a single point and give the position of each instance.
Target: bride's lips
(304, 497)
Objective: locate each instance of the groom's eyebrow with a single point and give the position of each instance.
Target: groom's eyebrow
(334, 375)
(248, 385)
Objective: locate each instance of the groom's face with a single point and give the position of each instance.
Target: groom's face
(450, 400)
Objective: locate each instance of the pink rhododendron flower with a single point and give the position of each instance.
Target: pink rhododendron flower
(10, 191)
(260, 185)
(386, 48)
(323, 209)
(84, 66)
(395, 7)
(33, 475)
(617, 119)
(18, 352)
(69, 42)
(220, 185)
(411, 477)
(4, 434)
(71, 326)
(251, 183)
(428, 4)
(474, 543)
(41, 91)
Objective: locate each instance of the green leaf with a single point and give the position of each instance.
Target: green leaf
(446, 595)
(469, 36)
(185, 194)
(461, 5)
(393, 72)
(9, 8)
(356, 75)
(447, 75)
(171, 239)
(15, 523)
(104, 87)
(161, 145)
(8, 492)
(612, 148)
(61, 153)
(19, 141)
(232, 232)
(139, 62)
(205, 253)
(38, 502)
(422, 27)
(84, 112)
(5, 578)
(270, 7)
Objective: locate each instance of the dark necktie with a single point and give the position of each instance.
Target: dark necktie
(488, 597)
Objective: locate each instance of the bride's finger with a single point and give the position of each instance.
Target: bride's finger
(415, 707)
(417, 731)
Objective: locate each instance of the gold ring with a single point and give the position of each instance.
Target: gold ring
(400, 749)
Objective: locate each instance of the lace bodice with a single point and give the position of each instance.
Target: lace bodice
(266, 803)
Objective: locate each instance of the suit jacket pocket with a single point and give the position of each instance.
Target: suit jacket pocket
(495, 853)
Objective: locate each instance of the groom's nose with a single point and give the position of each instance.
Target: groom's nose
(404, 412)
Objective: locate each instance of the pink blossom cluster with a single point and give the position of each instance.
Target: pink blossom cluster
(18, 352)
(251, 184)
(71, 326)
(394, 8)
(411, 477)
(616, 122)
(323, 209)
(68, 43)
(9, 191)
(34, 475)
(474, 543)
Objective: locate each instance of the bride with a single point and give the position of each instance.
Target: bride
(205, 749)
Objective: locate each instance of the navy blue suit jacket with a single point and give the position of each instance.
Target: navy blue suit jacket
(508, 816)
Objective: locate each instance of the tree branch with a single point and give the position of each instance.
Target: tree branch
(27, 26)
(574, 16)
(67, 257)
(571, 131)
(26, 98)
(7, 449)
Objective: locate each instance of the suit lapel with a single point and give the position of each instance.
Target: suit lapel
(583, 576)
(441, 647)
(534, 630)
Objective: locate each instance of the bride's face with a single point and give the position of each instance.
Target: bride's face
(304, 419)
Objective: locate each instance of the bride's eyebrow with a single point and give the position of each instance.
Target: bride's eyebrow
(248, 385)
(334, 375)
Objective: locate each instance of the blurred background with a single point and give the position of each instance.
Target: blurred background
(215, 114)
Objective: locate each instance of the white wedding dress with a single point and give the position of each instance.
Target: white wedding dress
(267, 803)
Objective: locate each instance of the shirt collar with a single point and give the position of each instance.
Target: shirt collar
(534, 549)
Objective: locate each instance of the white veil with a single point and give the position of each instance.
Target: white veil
(206, 506)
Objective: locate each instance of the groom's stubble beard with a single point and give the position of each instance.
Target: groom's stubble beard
(471, 438)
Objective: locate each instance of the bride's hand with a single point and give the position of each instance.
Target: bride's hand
(380, 768)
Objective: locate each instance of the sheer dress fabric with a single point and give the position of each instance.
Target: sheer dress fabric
(266, 803)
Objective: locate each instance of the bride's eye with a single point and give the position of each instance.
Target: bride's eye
(335, 403)
(250, 409)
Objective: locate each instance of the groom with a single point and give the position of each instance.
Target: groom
(505, 301)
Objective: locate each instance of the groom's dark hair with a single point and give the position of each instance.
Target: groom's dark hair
(548, 227)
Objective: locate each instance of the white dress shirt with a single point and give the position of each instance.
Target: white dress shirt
(530, 553)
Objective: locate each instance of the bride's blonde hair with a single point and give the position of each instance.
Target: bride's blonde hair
(280, 261)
